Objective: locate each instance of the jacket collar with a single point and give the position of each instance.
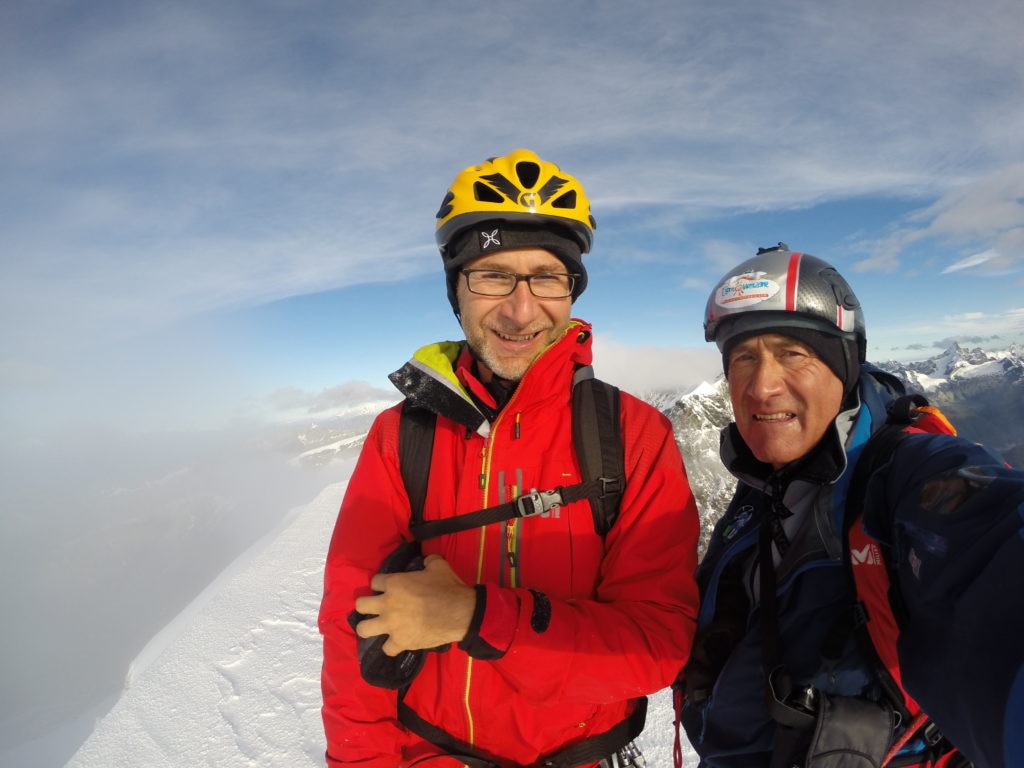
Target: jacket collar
(434, 378)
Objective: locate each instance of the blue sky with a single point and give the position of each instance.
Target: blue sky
(205, 204)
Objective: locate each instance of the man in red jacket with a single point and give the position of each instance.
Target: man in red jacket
(545, 635)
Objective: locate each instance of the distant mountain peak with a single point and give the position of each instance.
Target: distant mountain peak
(956, 363)
(980, 391)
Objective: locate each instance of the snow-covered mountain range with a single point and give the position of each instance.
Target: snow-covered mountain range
(981, 393)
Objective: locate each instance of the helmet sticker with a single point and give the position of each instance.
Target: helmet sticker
(745, 290)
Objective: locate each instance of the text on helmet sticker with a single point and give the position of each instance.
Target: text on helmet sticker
(744, 290)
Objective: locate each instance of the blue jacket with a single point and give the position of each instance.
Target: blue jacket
(948, 512)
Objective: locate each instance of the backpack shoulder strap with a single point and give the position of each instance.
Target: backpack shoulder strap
(871, 567)
(597, 440)
(415, 446)
(876, 452)
(907, 411)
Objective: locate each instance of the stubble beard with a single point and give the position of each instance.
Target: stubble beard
(510, 370)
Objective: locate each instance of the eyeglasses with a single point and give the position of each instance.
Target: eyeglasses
(543, 285)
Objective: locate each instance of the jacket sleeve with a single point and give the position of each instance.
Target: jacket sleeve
(359, 719)
(634, 636)
(954, 517)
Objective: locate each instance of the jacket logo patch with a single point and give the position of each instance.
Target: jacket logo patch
(867, 555)
(738, 523)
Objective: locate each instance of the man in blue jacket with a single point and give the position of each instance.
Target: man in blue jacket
(783, 670)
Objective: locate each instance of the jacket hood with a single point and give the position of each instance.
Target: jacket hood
(430, 379)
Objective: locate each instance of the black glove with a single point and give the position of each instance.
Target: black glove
(376, 667)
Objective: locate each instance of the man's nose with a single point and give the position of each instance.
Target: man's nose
(521, 303)
(767, 377)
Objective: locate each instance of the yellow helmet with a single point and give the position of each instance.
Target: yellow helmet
(517, 187)
(532, 201)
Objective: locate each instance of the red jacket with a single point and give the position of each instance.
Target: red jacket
(622, 608)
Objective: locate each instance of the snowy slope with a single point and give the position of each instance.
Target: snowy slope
(234, 679)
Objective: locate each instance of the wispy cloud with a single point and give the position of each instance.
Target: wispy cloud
(650, 368)
(987, 329)
(974, 260)
(985, 216)
(211, 157)
(296, 403)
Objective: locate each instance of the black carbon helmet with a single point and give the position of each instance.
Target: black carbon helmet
(786, 292)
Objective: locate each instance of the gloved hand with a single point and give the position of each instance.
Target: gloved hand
(376, 667)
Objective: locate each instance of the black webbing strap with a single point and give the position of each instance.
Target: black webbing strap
(769, 617)
(592, 750)
(597, 438)
(528, 505)
(415, 446)
(780, 698)
(769, 532)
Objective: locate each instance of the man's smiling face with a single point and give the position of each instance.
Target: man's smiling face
(507, 333)
(783, 397)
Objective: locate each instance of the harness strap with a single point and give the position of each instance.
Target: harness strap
(586, 752)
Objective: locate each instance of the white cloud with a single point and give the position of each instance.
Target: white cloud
(650, 368)
(293, 403)
(973, 260)
(986, 215)
(991, 330)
